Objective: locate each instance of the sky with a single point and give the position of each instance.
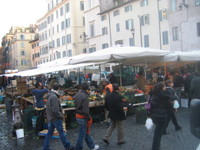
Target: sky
(20, 13)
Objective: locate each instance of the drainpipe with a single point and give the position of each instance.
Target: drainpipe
(141, 41)
(159, 26)
(110, 29)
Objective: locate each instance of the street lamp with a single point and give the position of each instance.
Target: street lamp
(133, 33)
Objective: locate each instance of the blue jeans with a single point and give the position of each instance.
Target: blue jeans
(82, 123)
(51, 126)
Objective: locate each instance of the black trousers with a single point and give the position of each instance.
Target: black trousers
(40, 120)
(172, 117)
(160, 125)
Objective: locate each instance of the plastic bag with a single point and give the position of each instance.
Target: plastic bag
(176, 104)
(149, 124)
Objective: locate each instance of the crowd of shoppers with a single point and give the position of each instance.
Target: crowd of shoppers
(163, 96)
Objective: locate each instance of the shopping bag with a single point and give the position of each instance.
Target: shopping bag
(149, 124)
(176, 104)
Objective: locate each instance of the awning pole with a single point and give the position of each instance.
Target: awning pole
(100, 71)
(120, 75)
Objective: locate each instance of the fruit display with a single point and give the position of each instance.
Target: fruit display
(70, 103)
(132, 95)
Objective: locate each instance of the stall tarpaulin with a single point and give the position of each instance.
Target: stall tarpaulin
(129, 55)
(43, 70)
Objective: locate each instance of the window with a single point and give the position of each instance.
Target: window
(67, 22)
(119, 42)
(146, 40)
(103, 17)
(173, 5)
(45, 35)
(51, 17)
(105, 45)
(69, 53)
(145, 20)
(57, 14)
(128, 8)
(81, 5)
(56, 2)
(22, 53)
(175, 34)
(58, 55)
(163, 14)
(69, 38)
(131, 42)
(90, 3)
(67, 8)
(58, 42)
(198, 29)
(104, 31)
(116, 13)
(143, 3)
(83, 21)
(92, 30)
(62, 25)
(53, 30)
(63, 40)
(48, 20)
(22, 37)
(64, 54)
(53, 44)
(61, 11)
(57, 28)
(165, 37)
(117, 27)
(92, 49)
(49, 32)
(23, 62)
(197, 2)
(129, 24)
(22, 44)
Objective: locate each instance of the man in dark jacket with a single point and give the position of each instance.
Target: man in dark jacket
(55, 117)
(114, 105)
(178, 84)
(194, 118)
(195, 86)
(173, 97)
(83, 118)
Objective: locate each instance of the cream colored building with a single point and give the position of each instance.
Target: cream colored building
(20, 48)
(62, 30)
(110, 23)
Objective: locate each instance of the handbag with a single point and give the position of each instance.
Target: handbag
(147, 106)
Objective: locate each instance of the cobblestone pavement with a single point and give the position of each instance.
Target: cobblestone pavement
(137, 137)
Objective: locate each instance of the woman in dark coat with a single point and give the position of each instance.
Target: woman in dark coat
(160, 110)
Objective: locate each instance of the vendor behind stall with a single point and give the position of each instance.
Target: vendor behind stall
(38, 93)
(107, 86)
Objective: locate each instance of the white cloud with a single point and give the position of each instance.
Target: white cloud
(20, 13)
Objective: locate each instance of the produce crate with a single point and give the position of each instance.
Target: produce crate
(141, 115)
(27, 116)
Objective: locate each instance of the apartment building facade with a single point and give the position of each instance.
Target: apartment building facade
(35, 51)
(20, 48)
(184, 23)
(141, 23)
(62, 30)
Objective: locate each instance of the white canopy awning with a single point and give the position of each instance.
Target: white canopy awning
(128, 54)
